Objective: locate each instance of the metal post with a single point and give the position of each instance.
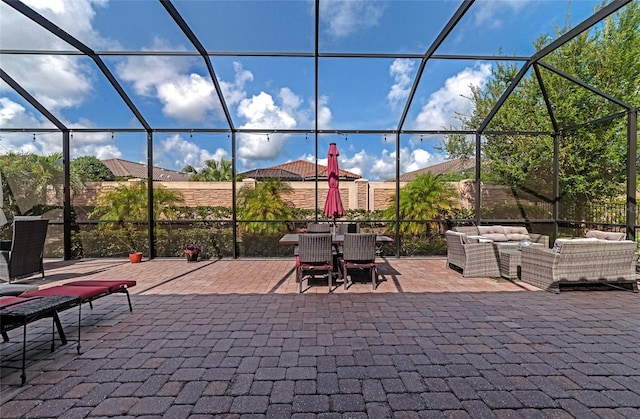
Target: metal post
(234, 207)
(632, 171)
(150, 203)
(66, 199)
(478, 205)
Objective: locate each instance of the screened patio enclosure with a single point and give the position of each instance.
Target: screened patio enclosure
(168, 84)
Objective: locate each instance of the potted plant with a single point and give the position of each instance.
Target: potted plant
(191, 251)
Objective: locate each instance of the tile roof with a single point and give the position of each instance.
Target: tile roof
(272, 173)
(129, 169)
(307, 170)
(450, 166)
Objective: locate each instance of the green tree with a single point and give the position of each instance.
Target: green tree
(212, 171)
(265, 202)
(33, 184)
(593, 157)
(91, 169)
(424, 198)
(128, 203)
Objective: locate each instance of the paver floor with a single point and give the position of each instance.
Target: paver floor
(234, 339)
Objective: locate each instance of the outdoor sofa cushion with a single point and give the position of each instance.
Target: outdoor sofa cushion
(495, 233)
(605, 235)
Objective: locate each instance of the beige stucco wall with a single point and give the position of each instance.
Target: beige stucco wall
(360, 194)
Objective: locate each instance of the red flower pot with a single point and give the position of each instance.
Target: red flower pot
(135, 257)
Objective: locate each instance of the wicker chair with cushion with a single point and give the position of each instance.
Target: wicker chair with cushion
(359, 252)
(27, 246)
(315, 256)
(474, 259)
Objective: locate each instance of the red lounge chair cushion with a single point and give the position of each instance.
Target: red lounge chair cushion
(113, 285)
(10, 300)
(85, 293)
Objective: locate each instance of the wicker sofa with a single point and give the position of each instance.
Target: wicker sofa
(586, 261)
(476, 249)
(502, 234)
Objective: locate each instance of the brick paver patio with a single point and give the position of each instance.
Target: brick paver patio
(234, 339)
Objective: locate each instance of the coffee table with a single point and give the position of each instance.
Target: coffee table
(510, 260)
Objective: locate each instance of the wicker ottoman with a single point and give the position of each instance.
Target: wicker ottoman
(510, 263)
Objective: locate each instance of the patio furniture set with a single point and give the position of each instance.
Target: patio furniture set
(320, 253)
(601, 258)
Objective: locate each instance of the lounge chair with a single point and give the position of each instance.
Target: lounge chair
(86, 291)
(20, 311)
(27, 246)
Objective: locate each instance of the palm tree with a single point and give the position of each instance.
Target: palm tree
(265, 202)
(424, 198)
(128, 203)
(212, 171)
(32, 180)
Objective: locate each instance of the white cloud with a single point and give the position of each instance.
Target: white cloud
(324, 112)
(99, 145)
(234, 92)
(382, 166)
(261, 112)
(56, 81)
(345, 17)
(401, 70)
(14, 115)
(176, 152)
(440, 111)
(490, 13)
(187, 98)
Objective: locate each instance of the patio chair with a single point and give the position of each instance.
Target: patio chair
(359, 252)
(474, 259)
(315, 256)
(318, 228)
(27, 246)
(348, 228)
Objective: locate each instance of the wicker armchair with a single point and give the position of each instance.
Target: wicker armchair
(27, 246)
(359, 252)
(315, 256)
(475, 259)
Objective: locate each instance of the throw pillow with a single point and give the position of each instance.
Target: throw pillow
(496, 237)
(605, 235)
(484, 230)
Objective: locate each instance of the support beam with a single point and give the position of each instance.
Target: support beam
(150, 202)
(632, 172)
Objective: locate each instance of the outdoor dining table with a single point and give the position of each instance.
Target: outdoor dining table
(291, 239)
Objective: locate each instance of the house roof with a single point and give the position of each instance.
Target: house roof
(304, 170)
(450, 166)
(129, 169)
(272, 173)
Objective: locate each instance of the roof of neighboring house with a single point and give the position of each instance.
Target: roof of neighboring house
(272, 173)
(450, 166)
(129, 169)
(301, 169)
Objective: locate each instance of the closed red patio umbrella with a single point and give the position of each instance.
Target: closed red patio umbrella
(333, 205)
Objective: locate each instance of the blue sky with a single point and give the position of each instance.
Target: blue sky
(261, 93)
